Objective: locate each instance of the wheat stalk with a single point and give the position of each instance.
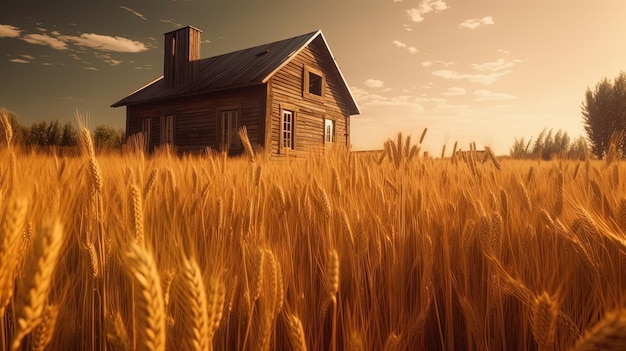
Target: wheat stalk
(149, 304)
(608, 334)
(32, 292)
(42, 334)
(13, 219)
(193, 307)
(295, 332)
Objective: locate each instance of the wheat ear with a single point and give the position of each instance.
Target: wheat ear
(13, 220)
(544, 316)
(215, 304)
(192, 303)
(149, 305)
(32, 293)
(295, 332)
(42, 335)
(607, 334)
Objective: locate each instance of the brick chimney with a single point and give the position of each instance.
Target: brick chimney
(181, 53)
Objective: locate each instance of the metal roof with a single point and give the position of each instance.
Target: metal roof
(241, 68)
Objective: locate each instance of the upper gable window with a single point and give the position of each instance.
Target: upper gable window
(313, 86)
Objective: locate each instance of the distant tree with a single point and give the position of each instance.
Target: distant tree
(549, 145)
(604, 113)
(19, 131)
(519, 149)
(108, 137)
(69, 135)
(38, 134)
(578, 149)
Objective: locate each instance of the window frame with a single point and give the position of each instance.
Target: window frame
(236, 144)
(306, 81)
(167, 130)
(329, 122)
(146, 132)
(294, 118)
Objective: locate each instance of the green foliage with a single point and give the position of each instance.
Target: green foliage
(549, 145)
(604, 113)
(107, 137)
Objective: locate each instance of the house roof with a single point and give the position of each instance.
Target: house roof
(237, 69)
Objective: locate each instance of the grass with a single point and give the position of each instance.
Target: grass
(340, 251)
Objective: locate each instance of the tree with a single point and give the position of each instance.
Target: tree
(69, 135)
(107, 137)
(604, 113)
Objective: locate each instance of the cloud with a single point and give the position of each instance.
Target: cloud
(400, 44)
(16, 60)
(107, 58)
(91, 69)
(487, 95)
(495, 66)
(27, 57)
(476, 22)
(366, 99)
(374, 83)
(107, 43)
(171, 21)
(44, 39)
(134, 12)
(438, 62)
(8, 31)
(425, 7)
(407, 27)
(454, 91)
(474, 78)
(506, 52)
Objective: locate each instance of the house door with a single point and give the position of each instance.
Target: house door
(229, 124)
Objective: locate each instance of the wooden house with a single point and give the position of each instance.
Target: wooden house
(290, 95)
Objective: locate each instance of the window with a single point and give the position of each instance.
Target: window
(229, 124)
(313, 86)
(287, 124)
(329, 131)
(145, 133)
(167, 130)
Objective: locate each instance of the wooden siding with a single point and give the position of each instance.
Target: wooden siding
(196, 122)
(287, 88)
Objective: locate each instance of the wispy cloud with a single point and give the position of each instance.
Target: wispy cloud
(45, 39)
(8, 31)
(487, 95)
(27, 57)
(400, 44)
(437, 62)
(106, 43)
(17, 60)
(476, 22)
(426, 7)
(374, 83)
(407, 27)
(134, 12)
(506, 52)
(107, 58)
(366, 99)
(91, 68)
(171, 21)
(495, 66)
(454, 91)
(474, 78)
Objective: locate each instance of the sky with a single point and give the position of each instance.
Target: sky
(486, 71)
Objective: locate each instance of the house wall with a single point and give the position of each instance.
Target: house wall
(196, 122)
(286, 87)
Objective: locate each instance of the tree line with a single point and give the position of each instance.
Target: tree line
(604, 119)
(55, 133)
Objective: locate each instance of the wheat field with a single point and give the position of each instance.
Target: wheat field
(342, 251)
